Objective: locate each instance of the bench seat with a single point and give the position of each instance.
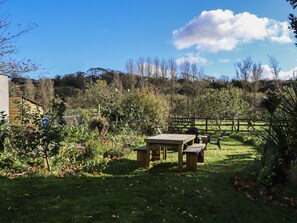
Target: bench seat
(141, 155)
(194, 154)
(156, 150)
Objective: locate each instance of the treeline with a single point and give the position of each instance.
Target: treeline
(181, 84)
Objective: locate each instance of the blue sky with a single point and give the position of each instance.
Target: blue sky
(75, 35)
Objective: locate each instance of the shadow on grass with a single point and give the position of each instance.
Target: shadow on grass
(237, 157)
(121, 167)
(150, 196)
(168, 167)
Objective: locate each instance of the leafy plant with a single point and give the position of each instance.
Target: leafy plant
(144, 111)
(3, 130)
(224, 103)
(36, 139)
(278, 149)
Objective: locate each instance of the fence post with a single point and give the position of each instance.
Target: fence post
(206, 124)
(232, 129)
(238, 124)
(193, 122)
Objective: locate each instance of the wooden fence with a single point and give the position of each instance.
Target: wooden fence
(209, 125)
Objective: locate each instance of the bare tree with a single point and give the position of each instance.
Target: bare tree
(141, 70)
(172, 66)
(8, 65)
(29, 89)
(255, 77)
(164, 68)
(45, 92)
(14, 89)
(274, 69)
(194, 72)
(156, 67)
(130, 79)
(130, 68)
(185, 69)
(162, 80)
(149, 67)
(243, 72)
(117, 82)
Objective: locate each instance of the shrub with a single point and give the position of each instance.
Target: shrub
(78, 158)
(293, 174)
(33, 138)
(9, 163)
(144, 111)
(3, 130)
(279, 142)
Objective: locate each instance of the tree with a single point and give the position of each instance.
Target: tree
(220, 104)
(141, 70)
(14, 89)
(275, 69)
(8, 65)
(162, 79)
(29, 89)
(293, 18)
(130, 79)
(144, 111)
(156, 67)
(255, 77)
(172, 66)
(149, 69)
(117, 83)
(45, 92)
(185, 69)
(35, 139)
(243, 72)
(164, 68)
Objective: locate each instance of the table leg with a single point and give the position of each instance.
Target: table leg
(147, 158)
(191, 142)
(180, 157)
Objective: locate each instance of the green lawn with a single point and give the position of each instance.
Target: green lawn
(126, 193)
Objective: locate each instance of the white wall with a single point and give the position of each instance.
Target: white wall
(4, 95)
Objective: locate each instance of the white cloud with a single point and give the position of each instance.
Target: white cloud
(283, 75)
(220, 30)
(192, 58)
(224, 60)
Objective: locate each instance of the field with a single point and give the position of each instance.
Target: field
(126, 193)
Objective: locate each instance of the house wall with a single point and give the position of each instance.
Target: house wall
(4, 94)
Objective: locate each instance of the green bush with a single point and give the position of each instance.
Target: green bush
(279, 142)
(4, 130)
(293, 175)
(9, 163)
(144, 111)
(32, 139)
(78, 158)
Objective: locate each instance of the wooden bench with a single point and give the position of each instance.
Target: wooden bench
(141, 154)
(194, 154)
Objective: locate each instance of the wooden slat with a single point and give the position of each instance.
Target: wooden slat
(176, 139)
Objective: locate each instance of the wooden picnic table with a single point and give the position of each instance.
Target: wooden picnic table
(169, 140)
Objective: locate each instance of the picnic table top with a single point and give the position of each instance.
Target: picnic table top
(176, 139)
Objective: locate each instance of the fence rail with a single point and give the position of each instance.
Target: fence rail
(209, 125)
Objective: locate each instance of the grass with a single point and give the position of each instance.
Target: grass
(126, 193)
